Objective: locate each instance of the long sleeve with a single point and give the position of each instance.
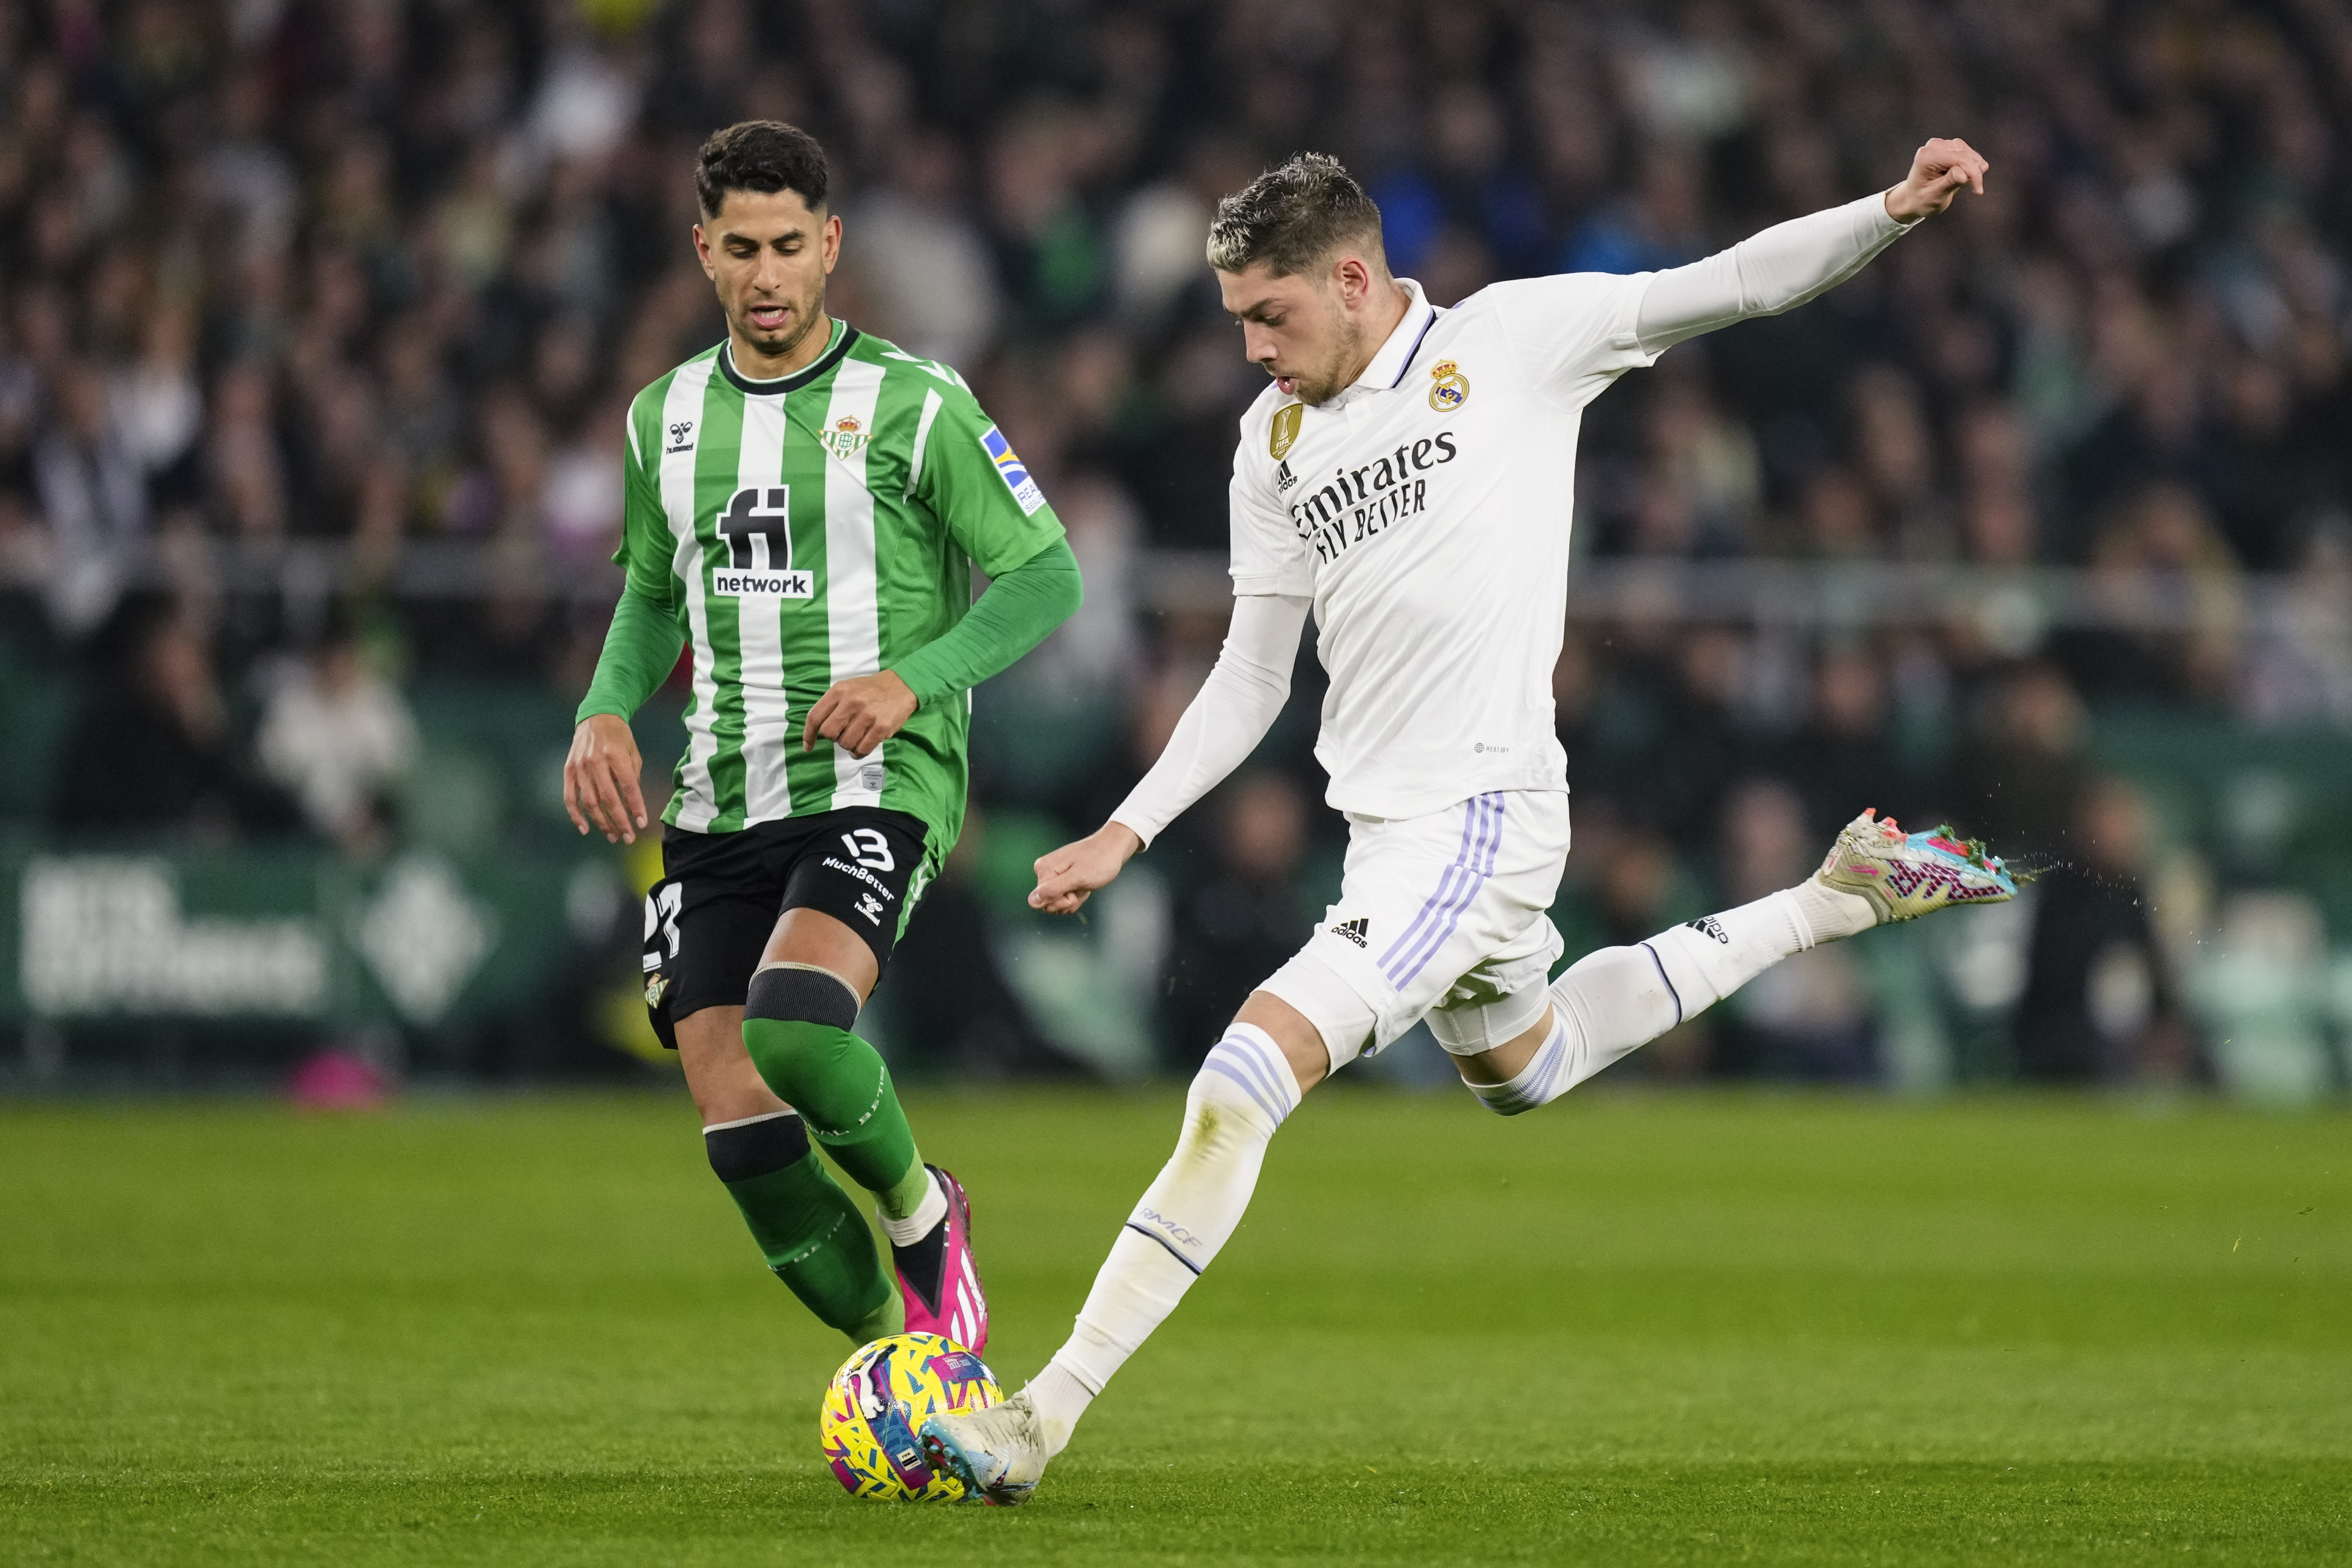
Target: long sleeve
(1014, 614)
(640, 650)
(1765, 274)
(1228, 717)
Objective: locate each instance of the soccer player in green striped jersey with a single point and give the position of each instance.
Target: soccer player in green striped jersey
(805, 506)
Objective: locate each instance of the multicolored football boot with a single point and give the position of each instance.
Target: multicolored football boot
(938, 1279)
(1905, 876)
(999, 1453)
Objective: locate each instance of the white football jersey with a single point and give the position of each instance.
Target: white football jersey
(1426, 510)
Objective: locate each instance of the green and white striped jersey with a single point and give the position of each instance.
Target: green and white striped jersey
(806, 530)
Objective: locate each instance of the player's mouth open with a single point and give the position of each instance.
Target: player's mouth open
(1286, 384)
(768, 317)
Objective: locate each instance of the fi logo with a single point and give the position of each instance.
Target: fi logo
(1012, 470)
(758, 528)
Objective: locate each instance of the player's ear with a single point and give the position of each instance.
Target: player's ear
(832, 240)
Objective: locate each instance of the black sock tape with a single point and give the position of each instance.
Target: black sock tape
(751, 1149)
(795, 994)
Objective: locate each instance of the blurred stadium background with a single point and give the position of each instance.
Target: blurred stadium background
(317, 323)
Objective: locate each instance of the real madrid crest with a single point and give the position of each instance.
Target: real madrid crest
(1284, 433)
(847, 439)
(1449, 389)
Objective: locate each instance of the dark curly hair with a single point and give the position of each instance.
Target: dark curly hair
(1293, 217)
(763, 155)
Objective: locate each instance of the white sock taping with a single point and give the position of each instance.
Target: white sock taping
(917, 1224)
(1239, 1099)
(1539, 1082)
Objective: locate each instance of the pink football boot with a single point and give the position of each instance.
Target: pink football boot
(938, 1279)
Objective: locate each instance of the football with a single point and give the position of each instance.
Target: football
(879, 1400)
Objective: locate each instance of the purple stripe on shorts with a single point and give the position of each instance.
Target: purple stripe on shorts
(1455, 887)
(1473, 865)
(1412, 934)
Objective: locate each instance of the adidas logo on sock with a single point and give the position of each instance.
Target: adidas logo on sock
(1706, 925)
(1356, 930)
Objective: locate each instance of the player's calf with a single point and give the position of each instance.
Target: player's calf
(808, 1230)
(1612, 1003)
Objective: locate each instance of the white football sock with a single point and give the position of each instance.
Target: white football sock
(1709, 958)
(1610, 1003)
(917, 1224)
(1240, 1097)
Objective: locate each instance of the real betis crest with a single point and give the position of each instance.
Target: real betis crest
(847, 439)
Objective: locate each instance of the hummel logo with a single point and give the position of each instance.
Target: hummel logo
(871, 908)
(1355, 930)
(681, 437)
(1707, 925)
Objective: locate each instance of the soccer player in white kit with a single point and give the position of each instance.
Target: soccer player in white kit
(1409, 476)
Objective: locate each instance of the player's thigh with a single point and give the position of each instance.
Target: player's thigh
(1427, 907)
(847, 891)
(706, 921)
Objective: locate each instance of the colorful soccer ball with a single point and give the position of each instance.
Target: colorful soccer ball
(876, 1404)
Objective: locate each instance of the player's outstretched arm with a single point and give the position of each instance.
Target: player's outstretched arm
(1794, 262)
(1227, 717)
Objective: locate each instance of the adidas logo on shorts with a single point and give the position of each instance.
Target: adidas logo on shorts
(1356, 930)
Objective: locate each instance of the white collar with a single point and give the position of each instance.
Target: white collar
(1389, 365)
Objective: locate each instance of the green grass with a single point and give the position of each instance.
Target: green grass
(1628, 1329)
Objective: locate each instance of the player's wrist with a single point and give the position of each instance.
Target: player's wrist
(1118, 837)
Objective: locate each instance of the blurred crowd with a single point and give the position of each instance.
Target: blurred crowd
(379, 273)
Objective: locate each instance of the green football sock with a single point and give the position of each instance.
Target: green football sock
(842, 1089)
(807, 1228)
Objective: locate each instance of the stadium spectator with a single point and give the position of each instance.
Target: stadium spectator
(2099, 1004)
(1241, 919)
(337, 736)
(154, 749)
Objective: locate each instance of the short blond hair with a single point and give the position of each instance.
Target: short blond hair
(1293, 217)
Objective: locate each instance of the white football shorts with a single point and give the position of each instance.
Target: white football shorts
(1442, 915)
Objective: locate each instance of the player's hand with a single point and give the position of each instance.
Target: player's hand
(600, 779)
(1940, 170)
(860, 713)
(1066, 877)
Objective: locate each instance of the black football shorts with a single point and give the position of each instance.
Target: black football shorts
(709, 917)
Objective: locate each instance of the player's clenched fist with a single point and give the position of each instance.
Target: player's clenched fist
(1938, 171)
(600, 779)
(1066, 876)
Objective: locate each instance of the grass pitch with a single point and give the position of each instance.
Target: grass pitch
(1624, 1330)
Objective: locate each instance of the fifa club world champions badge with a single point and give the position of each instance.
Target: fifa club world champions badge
(1449, 389)
(1284, 431)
